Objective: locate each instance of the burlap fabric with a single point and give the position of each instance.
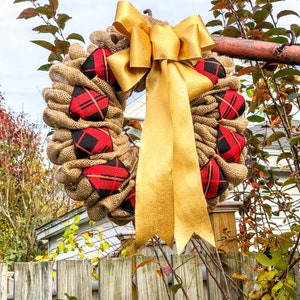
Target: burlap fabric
(76, 173)
(207, 119)
(61, 150)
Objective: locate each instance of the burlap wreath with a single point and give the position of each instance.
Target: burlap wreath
(97, 162)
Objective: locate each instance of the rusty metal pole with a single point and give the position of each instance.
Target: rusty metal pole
(257, 50)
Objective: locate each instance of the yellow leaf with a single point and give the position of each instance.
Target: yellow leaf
(239, 276)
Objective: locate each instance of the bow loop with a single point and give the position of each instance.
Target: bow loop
(140, 49)
(128, 17)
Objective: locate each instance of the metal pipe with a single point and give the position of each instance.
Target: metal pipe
(257, 50)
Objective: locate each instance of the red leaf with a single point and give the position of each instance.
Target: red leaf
(220, 6)
(28, 13)
(53, 5)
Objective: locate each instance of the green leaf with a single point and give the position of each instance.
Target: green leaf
(45, 67)
(264, 260)
(104, 246)
(70, 297)
(285, 72)
(216, 13)
(295, 140)
(245, 14)
(175, 288)
(214, 23)
(296, 29)
(260, 15)
(55, 57)
(291, 291)
(274, 31)
(231, 31)
(62, 45)
(45, 45)
(268, 7)
(264, 24)
(283, 155)
(46, 10)
(125, 253)
(289, 181)
(62, 19)
(28, 13)
(18, 1)
(286, 13)
(276, 288)
(274, 137)
(266, 297)
(75, 36)
(293, 96)
(278, 40)
(255, 118)
(74, 227)
(250, 25)
(133, 137)
(61, 246)
(231, 20)
(76, 219)
(46, 29)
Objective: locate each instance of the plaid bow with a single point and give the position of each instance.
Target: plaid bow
(107, 178)
(231, 104)
(211, 68)
(213, 179)
(88, 104)
(229, 144)
(96, 65)
(90, 141)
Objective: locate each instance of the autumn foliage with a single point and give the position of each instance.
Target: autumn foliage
(29, 196)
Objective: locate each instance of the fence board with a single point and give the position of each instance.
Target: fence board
(189, 269)
(33, 280)
(74, 278)
(247, 269)
(3, 281)
(149, 285)
(213, 277)
(115, 280)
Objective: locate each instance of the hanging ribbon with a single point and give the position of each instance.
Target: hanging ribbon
(169, 194)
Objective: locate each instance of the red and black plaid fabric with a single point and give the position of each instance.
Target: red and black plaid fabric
(213, 180)
(129, 203)
(231, 104)
(107, 178)
(90, 141)
(96, 65)
(229, 144)
(88, 104)
(211, 68)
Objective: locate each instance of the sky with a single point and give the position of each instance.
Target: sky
(21, 83)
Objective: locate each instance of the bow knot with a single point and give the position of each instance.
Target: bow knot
(185, 41)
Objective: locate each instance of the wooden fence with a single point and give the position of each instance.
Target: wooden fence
(119, 279)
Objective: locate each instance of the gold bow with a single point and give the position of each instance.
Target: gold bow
(169, 194)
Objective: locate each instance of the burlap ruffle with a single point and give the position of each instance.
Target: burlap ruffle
(61, 150)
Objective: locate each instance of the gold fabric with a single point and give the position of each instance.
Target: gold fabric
(169, 194)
